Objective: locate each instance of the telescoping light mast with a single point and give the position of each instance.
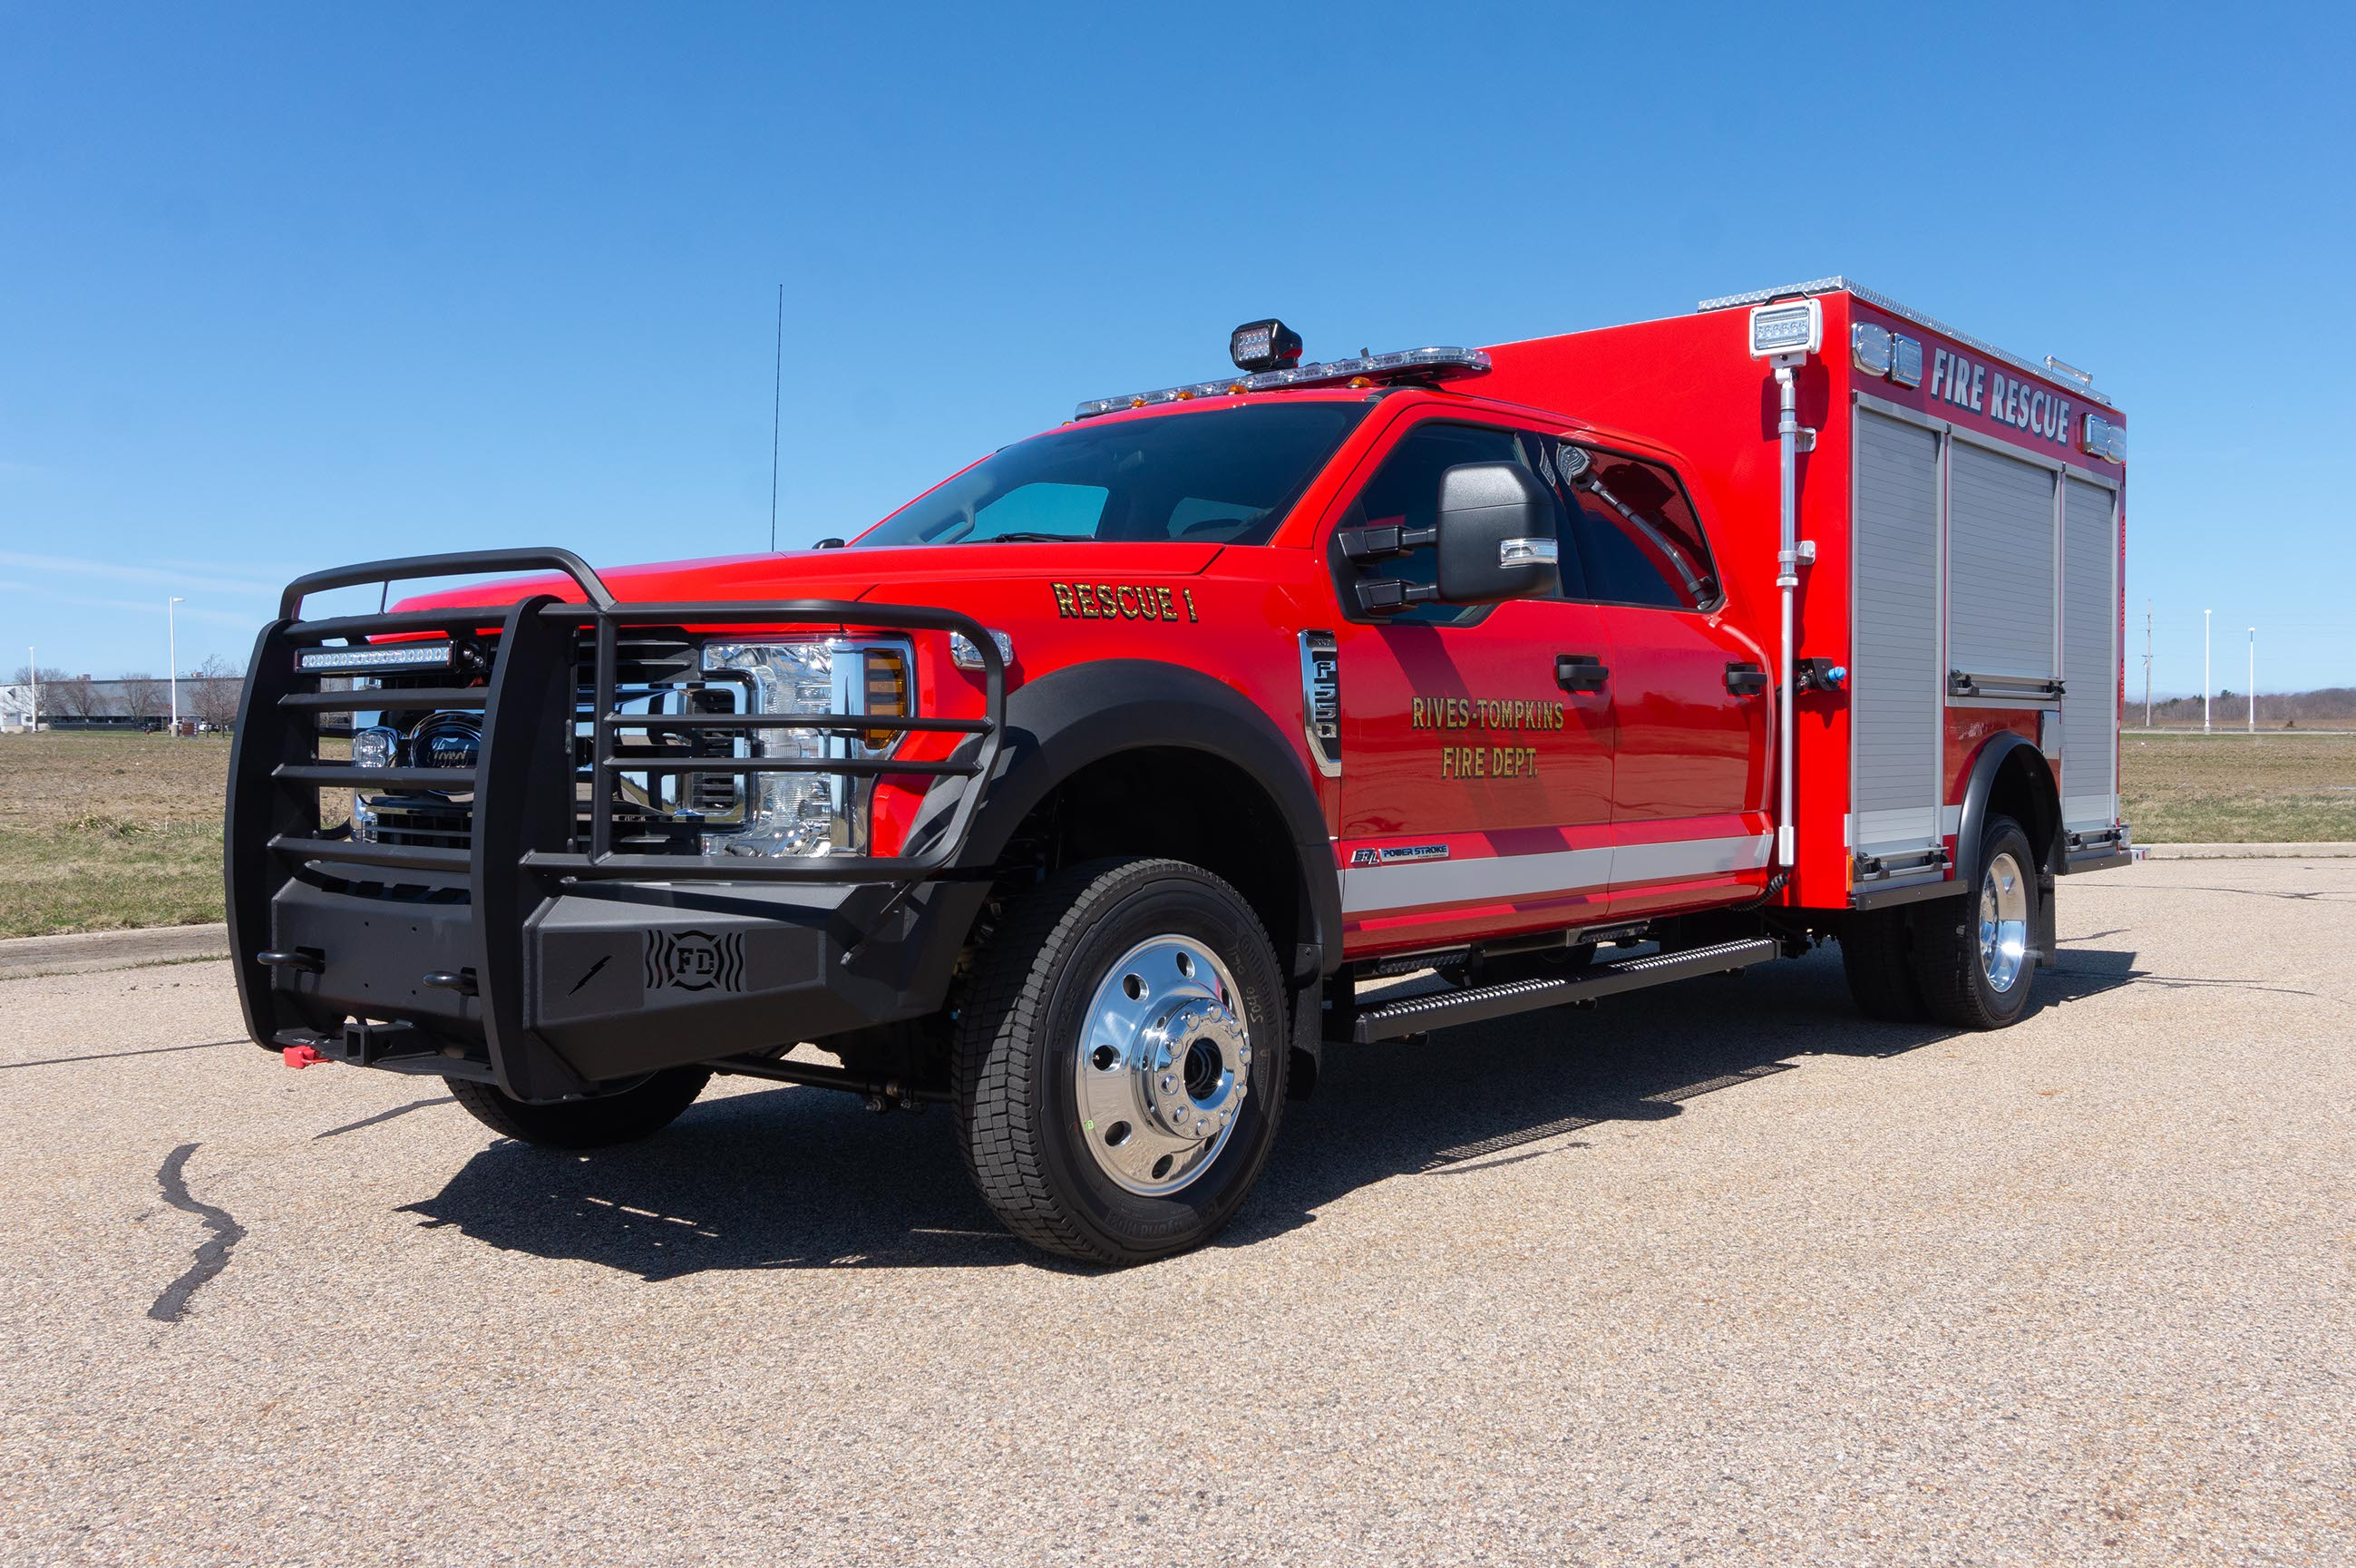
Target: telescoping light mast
(1784, 334)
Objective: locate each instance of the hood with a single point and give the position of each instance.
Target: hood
(850, 574)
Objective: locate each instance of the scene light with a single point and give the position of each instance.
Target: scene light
(1268, 345)
(1792, 327)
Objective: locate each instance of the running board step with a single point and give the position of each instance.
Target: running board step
(1472, 1005)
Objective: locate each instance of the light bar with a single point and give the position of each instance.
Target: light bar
(379, 656)
(1436, 363)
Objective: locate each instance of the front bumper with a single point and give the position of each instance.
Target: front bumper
(538, 958)
(618, 979)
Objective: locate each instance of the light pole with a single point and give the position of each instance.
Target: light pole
(2253, 679)
(2147, 664)
(172, 663)
(33, 674)
(2207, 687)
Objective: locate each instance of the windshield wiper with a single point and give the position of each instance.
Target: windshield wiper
(1034, 538)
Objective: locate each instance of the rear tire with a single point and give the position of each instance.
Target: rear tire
(623, 1116)
(1877, 955)
(1120, 1061)
(1971, 954)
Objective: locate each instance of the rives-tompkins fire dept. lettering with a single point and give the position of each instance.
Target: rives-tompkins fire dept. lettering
(1489, 714)
(1126, 601)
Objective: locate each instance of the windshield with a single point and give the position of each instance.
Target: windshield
(1222, 475)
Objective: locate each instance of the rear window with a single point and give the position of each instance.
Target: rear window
(1638, 540)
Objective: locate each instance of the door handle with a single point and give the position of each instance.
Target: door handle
(1580, 672)
(1745, 679)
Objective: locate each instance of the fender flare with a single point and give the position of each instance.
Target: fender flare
(1081, 714)
(1993, 758)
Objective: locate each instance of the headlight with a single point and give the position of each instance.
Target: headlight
(810, 813)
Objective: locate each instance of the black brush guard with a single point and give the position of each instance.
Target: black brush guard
(529, 958)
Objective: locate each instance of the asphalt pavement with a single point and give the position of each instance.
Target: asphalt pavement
(1718, 1273)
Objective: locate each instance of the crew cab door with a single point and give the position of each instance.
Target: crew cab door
(1692, 695)
(1476, 741)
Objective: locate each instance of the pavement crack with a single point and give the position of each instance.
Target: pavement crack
(212, 1256)
(386, 1116)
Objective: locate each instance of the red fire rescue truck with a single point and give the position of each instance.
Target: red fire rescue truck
(1087, 792)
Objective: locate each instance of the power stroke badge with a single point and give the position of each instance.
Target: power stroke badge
(695, 961)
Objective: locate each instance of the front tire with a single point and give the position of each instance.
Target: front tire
(1971, 954)
(622, 1116)
(1119, 1060)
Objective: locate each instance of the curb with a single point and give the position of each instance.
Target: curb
(2251, 850)
(21, 958)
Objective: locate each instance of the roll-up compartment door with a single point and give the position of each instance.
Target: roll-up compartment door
(1895, 682)
(2000, 568)
(2090, 656)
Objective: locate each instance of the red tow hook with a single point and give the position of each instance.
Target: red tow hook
(299, 1056)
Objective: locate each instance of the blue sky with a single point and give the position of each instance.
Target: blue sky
(285, 287)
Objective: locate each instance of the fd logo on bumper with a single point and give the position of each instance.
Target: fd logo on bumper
(694, 960)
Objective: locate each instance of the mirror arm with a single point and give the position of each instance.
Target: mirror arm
(1389, 596)
(1385, 541)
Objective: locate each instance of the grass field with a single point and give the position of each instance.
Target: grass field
(103, 831)
(2278, 788)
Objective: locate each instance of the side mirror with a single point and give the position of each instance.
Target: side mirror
(1498, 541)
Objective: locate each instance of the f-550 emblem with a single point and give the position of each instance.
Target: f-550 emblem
(695, 961)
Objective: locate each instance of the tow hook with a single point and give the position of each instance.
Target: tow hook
(300, 1057)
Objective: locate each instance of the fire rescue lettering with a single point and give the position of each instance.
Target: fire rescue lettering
(1105, 601)
(1489, 714)
(2006, 399)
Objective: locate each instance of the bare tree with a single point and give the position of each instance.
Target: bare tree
(144, 696)
(78, 698)
(48, 675)
(212, 691)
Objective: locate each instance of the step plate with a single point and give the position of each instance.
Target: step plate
(1447, 1008)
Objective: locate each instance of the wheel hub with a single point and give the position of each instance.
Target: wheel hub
(1164, 1066)
(2003, 923)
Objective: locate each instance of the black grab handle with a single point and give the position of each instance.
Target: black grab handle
(290, 602)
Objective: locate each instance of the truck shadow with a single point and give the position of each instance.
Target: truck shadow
(789, 1178)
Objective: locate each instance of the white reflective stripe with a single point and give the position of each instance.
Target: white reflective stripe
(1688, 857)
(1411, 886)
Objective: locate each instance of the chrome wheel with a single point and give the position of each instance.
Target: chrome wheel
(2004, 923)
(1163, 1064)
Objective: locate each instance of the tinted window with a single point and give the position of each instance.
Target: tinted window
(1225, 476)
(1638, 540)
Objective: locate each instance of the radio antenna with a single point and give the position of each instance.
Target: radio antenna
(776, 406)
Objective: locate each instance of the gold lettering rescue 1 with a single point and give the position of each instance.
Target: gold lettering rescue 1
(1125, 601)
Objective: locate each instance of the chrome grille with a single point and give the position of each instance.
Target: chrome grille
(655, 675)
